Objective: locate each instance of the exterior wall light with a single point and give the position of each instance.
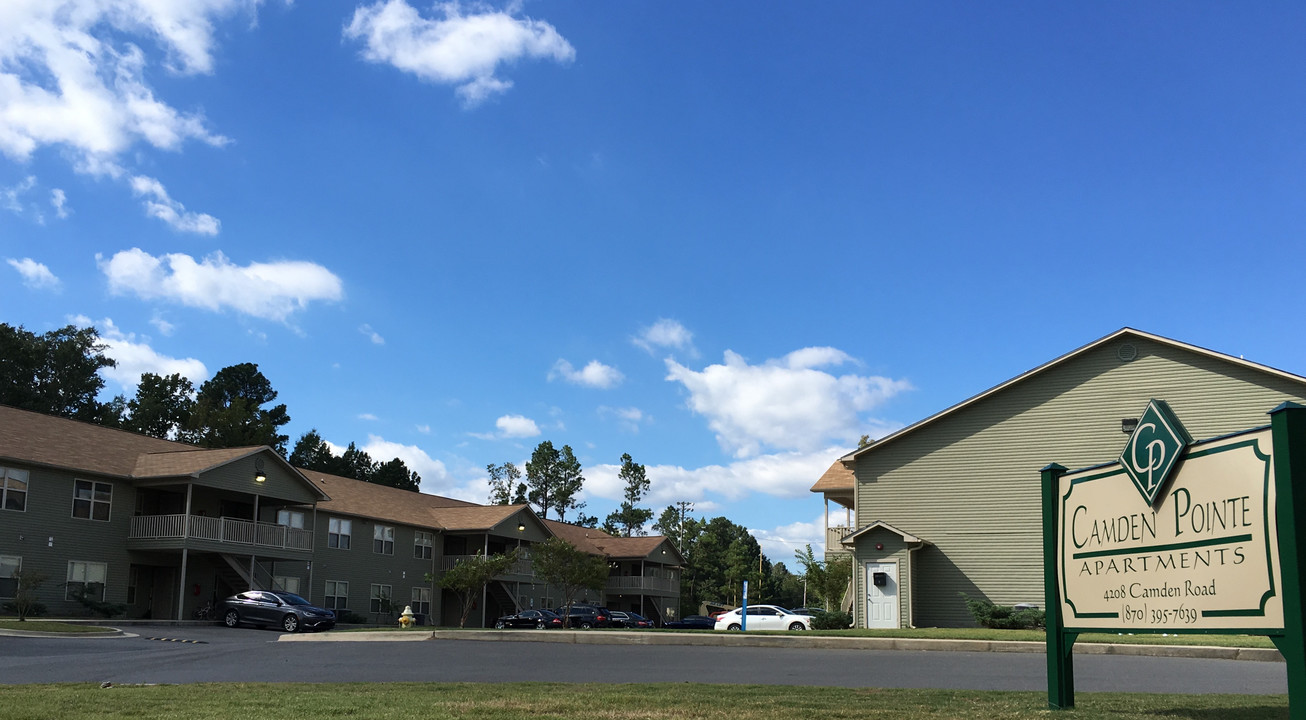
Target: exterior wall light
(521, 527)
(259, 475)
(1128, 425)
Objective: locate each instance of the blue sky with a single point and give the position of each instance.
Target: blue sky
(725, 238)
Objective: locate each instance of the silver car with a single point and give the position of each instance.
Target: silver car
(288, 611)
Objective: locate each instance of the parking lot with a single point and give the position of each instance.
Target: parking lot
(219, 654)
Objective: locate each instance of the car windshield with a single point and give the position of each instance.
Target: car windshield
(292, 599)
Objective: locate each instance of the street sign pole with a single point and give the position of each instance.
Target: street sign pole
(743, 612)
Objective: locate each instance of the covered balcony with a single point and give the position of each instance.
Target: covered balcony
(219, 534)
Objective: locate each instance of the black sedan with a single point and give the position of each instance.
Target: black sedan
(538, 619)
(288, 611)
(691, 622)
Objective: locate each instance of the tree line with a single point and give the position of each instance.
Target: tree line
(58, 373)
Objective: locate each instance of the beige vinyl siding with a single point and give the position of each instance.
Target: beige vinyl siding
(969, 482)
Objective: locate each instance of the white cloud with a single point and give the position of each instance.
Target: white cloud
(136, 357)
(368, 416)
(10, 196)
(424, 429)
(455, 48)
(59, 201)
(164, 327)
(788, 475)
(628, 418)
(787, 403)
(73, 74)
(666, 335)
(516, 426)
(371, 334)
(35, 274)
(159, 205)
(435, 476)
(595, 374)
(272, 291)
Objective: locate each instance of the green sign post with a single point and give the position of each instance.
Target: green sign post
(1179, 537)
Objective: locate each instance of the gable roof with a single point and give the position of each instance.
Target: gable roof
(1073, 354)
(598, 542)
(57, 442)
(837, 477)
(581, 537)
(878, 525)
(83, 447)
(382, 502)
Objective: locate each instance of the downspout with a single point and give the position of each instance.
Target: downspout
(911, 585)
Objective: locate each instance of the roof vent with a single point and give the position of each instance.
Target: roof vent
(1127, 352)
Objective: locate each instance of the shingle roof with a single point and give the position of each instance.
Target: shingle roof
(74, 445)
(474, 517)
(837, 477)
(354, 497)
(188, 462)
(598, 542)
(581, 537)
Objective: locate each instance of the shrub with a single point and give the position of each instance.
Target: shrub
(1002, 617)
(97, 607)
(32, 609)
(348, 617)
(832, 621)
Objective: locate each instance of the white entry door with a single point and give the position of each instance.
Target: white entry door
(882, 599)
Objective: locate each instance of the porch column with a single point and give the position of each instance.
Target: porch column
(185, 530)
(251, 572)
(485, 589)
(181, 585)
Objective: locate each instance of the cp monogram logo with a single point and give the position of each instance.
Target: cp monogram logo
(1154, 449)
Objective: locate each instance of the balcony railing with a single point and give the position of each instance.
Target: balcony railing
(521, 567)
(220, 529)
(833, 536)
(636, 582)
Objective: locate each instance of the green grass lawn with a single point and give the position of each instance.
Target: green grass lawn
(546, 701)
(53, 626)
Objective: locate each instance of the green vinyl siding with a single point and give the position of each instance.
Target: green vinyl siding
(361, 568)
(968, 483)
(47, 536)
(894, 550)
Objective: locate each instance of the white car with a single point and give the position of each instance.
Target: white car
(763, 617)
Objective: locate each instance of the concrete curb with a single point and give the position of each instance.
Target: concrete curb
(110, 633)
(583, 637)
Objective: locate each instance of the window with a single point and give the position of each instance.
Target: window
(338, 532)
(13, 489)
(9, 564)
(381, 596)
(422, 545)
(291, 518)
(91, 500)
(88, 578)
(383, 540)
(286, 583)
(337, 595)
(422, 601)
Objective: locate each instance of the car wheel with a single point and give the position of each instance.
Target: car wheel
(498, 625)
(734, 626)
(290, 623)
(232, 618)
(586, 625)
(797, 626)
(539, 625)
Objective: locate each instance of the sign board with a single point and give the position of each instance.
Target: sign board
(1180, 537)
(1202, 554)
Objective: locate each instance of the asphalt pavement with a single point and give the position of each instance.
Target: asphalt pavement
(217, 654)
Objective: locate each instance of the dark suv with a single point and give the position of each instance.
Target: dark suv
(586, 616)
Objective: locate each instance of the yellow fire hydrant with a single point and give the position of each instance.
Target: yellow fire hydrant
(406, 617)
